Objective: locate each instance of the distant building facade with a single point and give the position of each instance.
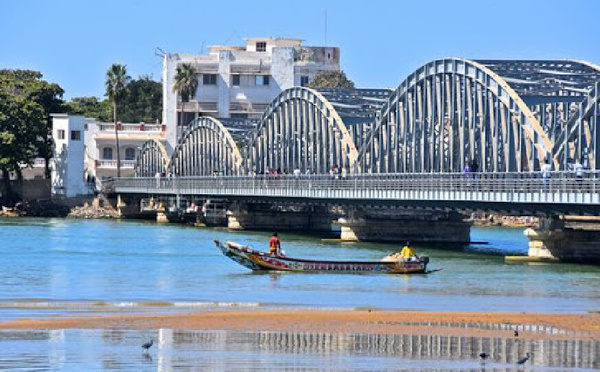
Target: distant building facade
(239, 82)
(85, 151)
(101, 151)
(68, 160)
(234, 82)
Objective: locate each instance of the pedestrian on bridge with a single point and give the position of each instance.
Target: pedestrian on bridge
(579, 173)
(546, 168)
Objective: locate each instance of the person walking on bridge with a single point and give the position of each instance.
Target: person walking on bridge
(546, 168)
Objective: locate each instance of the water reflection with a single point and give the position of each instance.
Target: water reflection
(283, 351)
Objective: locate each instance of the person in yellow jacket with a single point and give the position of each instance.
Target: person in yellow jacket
(407, 253)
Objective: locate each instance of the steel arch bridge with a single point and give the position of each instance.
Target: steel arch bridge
(581, 137)
(153, 158)
(300, 130)
(507, 116)
(206, 148)
(454, 111)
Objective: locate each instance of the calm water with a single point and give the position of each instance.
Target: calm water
(50, 267)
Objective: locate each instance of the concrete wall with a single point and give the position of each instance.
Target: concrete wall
(29, 189)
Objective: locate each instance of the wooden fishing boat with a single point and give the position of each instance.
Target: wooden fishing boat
(261, 261)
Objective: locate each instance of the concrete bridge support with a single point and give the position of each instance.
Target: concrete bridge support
(400, 225)
(289, 218)
(565, 239)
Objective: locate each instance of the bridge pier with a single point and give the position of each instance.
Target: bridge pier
(400, 225)
(260, 217)
(566, 239)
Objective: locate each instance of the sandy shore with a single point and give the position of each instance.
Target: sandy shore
(578, 326)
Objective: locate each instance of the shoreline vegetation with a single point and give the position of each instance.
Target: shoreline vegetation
(531, 326)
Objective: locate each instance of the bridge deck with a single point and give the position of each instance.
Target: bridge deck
(561, 193)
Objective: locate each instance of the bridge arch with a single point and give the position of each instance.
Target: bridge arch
(300, 130)
(153, 158)
(449, 112)
(206, 147)
(579, 139)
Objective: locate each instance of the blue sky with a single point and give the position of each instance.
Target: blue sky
(73, 42)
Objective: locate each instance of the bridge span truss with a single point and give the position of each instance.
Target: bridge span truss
(451, 112)
(300, 130)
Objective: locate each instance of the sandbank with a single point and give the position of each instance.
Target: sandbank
(530, 325)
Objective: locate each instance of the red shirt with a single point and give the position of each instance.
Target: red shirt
(274, 242)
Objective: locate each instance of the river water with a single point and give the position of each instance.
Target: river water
(53, 267)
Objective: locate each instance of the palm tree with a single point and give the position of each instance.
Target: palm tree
(186, 83)
(116, 81)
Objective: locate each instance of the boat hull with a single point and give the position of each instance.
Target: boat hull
(261, 261)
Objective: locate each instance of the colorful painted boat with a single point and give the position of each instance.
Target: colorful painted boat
(261, 261)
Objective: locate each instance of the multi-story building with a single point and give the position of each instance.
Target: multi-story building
(101, 150)
(239, 82)
(234, 82)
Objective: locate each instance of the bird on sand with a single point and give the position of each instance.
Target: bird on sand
(483, 356)
(524, 359)
(147, 345)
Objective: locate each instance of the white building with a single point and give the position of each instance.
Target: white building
(233, 82)
(85, 149)
(68, 161)
(101, 149)
(241, 81)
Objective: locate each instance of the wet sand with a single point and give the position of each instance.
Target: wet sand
(576, 326)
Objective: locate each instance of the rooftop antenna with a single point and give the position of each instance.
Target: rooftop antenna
(159, 52)
(325, 27)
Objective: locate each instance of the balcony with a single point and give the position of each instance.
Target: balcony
(112, 164)
(247, 107)
(196, 106)
(257, 68)
(129, 127)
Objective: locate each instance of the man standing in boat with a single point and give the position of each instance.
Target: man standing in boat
(274, 245)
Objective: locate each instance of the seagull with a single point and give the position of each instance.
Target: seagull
(524, 359)
(147, 345)
(483, 357)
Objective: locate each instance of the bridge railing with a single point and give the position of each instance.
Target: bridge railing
(481, 182)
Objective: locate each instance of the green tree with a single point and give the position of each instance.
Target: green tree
(142, 101)
(116, 81)
(22, 133)
(186, 83)
(27, 86)
(331, 79)
(90, 107)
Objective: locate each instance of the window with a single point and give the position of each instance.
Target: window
(60, 134)
(75, 135)
(107, 153)
(129, 153)
(262, 79)
(303, 81)
(235, 80)
(261, 46)
(238, 116)
(209, 79)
